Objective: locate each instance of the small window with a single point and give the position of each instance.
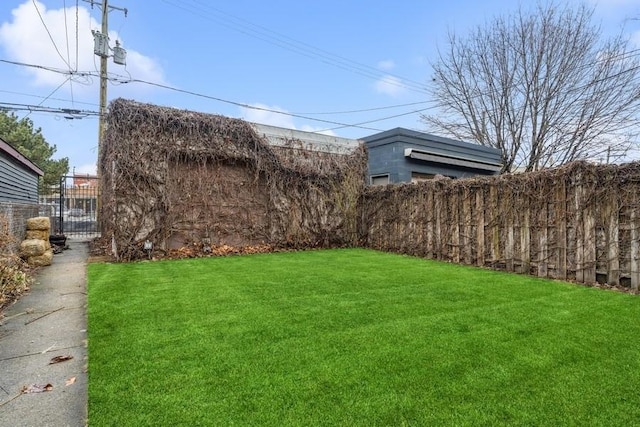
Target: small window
(380, 179)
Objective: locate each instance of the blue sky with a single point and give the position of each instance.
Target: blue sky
(320, 59)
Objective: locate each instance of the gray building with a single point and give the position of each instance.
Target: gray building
(18, 176)
(18, 190)
(403, 155)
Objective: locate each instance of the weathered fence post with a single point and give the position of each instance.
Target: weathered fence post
(510, 243)
(579, 228)
(430, 208)
(439, 205)
(454, 208)
(613, 241)
(635, 247)
(480, 226)
(525, 239)
(561, 230)
(495, 230)
(543, 240)
(466, 237)
(590, 243)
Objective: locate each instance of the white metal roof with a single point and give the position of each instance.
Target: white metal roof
(282, 137)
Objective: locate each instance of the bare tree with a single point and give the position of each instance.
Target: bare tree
(542, 86)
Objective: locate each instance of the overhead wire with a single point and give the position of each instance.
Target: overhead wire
(246, 27)
(49, 33)
(340, 125)
(240, 104)
(364, 110)
(127, 79)
(51, 93)
(43, 109)
(66, 36)
(114, 78)
(124, 79)
(262, 32)
(379, 119)
(77, 34)
(51, 98)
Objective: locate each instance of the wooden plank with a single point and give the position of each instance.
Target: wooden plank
(439, 205)
(589, 257)
(430, 222)
(510, 243)
(613, 241)
(561, 231)
(495, 230)
(455, 219)
(525, 240)
(466, 240)
(480, 227)
(579, 229)
(635, 248)
(543, 240)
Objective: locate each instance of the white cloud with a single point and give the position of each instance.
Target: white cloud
(390, 85)
(87, 169)
(25, 39)
(144, 68)
(323, 131)
(387, 65)
(262, 116)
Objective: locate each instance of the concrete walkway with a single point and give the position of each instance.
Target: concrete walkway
(49, 321)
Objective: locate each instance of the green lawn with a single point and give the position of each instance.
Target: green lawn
(355, 338)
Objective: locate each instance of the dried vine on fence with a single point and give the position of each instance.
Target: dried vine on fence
(175, 177)
(580, 221)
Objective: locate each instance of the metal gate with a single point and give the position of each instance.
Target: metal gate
(73, 206)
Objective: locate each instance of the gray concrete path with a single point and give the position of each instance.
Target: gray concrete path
(47, 322)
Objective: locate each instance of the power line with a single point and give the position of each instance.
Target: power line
(365, 110)
(288, 43)
(340, 125)
(382, 119)
(77, 37)
(119, 79)
(49, 33)
(66, 36)
(71, 112)
(50, 97)
(240, 104)
(50, 94)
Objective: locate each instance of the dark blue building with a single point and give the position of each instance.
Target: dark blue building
(403, 155)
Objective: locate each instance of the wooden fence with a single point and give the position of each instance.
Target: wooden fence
(580, 222)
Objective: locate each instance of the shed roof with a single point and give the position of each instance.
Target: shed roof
(18, 157)
(436, 145)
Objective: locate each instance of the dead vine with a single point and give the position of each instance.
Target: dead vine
(177, 177)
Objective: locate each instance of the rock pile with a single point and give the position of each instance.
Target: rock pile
(36, 249)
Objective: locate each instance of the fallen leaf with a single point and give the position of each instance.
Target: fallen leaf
(70, 381)
(59, 359)
(36, 388)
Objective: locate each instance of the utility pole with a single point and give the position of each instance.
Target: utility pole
(103, 78)
(101, 48)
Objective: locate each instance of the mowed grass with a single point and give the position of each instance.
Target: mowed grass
(355, 338)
